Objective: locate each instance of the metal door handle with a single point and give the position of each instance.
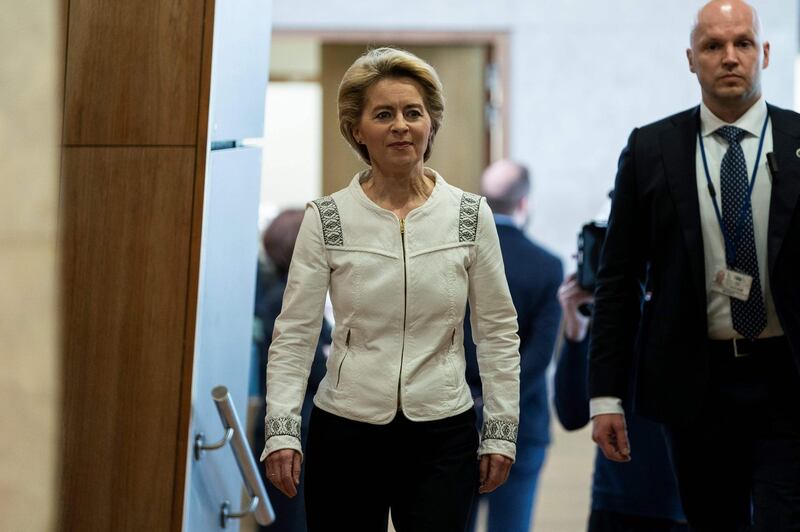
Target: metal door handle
(259, 505)
(201, 446)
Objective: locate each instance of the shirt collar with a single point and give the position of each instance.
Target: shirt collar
(504, 219)
(751, 121)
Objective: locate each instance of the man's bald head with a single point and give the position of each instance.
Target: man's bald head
(711, 12)
(727, 55)
(505, 184)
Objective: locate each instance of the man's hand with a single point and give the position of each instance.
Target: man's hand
(610, 434)
(283, 470)
(494, 470)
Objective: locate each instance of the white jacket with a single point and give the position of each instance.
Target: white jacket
(399, 291)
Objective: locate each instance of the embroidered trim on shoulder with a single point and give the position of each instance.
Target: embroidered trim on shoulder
(331, 223)
(281, 426)
(468, 217)
(500, 430)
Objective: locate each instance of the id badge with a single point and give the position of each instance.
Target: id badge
(732, 283)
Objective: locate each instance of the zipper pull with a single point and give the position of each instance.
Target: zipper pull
(347, 340)
(453, 338)
(402, 226)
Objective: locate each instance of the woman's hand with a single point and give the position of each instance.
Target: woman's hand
(494, 469)
(283, 470)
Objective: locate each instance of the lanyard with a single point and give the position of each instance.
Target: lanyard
(731, 235)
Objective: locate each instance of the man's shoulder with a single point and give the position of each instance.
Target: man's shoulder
(650, 135)
(788, 113)
(784, 119)
(526, 251)
(545, 256)
(513, 237)
(671, 121)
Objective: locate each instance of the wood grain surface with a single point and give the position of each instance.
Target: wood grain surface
(132, 72)
(125, 220)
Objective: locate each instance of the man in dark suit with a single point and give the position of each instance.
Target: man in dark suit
(698, 291)
(534, 276)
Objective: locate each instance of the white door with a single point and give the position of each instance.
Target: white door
(229, 251)
(224, 328)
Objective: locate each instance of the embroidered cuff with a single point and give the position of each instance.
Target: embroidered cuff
(500, 430)
(505, 448)
(281, 426)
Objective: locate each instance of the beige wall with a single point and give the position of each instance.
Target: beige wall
(28, 200)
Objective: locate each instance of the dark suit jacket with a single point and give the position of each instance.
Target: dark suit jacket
(654, 245)
(533, 276)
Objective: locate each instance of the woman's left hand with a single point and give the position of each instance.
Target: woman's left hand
(494, 469)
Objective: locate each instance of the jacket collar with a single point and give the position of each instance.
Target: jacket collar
(358, 192)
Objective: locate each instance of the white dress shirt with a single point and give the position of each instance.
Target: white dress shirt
(718, 308)
(720, 326)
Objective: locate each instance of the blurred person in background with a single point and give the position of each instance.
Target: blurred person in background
(641, 496)
(533, 276)
(401, 252)
(278, 241)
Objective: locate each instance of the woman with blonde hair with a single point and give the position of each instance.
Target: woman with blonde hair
(401, 252)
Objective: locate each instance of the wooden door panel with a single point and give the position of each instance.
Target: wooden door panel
(132, 72)
(125, 230)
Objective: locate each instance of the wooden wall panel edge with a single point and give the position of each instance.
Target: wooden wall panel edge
(63, 39)
(502, 49)
(195, 241)
(60, 495)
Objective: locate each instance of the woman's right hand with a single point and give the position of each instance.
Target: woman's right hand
(283, 470)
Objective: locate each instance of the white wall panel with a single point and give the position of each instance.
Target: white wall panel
(239, 69)
(224, 326)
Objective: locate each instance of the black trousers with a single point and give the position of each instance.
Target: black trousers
(425, 472)
(738, 466)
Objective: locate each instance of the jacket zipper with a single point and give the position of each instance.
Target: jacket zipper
(405, 308)
(346, 352)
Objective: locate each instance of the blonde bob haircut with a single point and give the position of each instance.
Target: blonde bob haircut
(378, 64)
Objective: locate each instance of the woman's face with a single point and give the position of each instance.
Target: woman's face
(394, 125)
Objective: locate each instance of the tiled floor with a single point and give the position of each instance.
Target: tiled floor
(563, 501)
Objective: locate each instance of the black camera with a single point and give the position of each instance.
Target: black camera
(590, 242)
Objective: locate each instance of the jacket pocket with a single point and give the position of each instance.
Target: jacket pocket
(344, 357)
(451, 363)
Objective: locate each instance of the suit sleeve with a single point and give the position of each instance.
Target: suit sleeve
(538, 351)
(494, 330)
(295, 336)
(571, 396)
(619, 286)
